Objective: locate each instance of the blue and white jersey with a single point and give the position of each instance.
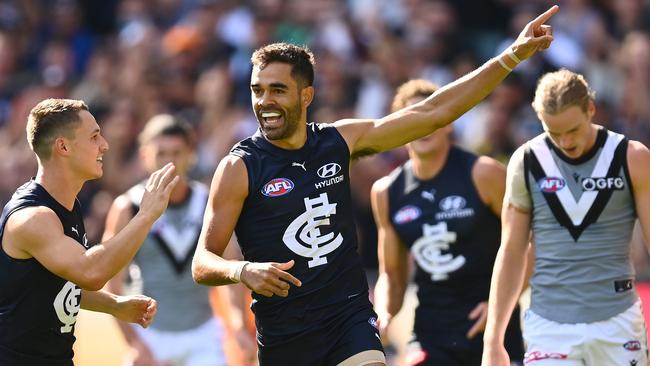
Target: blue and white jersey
(38, 309)
(299, 207)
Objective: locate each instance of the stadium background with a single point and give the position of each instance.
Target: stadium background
(132, 59)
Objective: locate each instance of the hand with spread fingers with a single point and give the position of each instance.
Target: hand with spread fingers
(157, 191)
(535, 36)
(268, 279)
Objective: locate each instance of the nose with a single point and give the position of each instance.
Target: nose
(104, 146)
(265, 99)
(566, 142)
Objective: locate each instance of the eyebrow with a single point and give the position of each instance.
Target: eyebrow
(272, 85)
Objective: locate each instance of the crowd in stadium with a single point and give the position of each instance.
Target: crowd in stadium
(130, 60)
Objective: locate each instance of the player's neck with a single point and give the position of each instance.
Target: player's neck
(60, 185)
(180, 192)
(293, 142)
(429, 165)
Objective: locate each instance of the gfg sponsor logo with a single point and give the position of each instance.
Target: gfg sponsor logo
(277, 187)
(601, 184)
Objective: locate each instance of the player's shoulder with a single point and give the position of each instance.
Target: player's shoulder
(638, 154)
(487, 170)
(32, 220)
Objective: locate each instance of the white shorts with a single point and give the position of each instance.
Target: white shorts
(620, 340)
(201, 346)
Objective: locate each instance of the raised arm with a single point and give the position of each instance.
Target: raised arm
(228, 191)
(449, 102)
(393, 259)
(37, 232)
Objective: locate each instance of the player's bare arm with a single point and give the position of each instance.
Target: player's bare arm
(507, 279)
(393, 258)
(638, 157)
(37, 232)
(449, 102)
(489, 177)
(228, 191)
(137, 309)
(119, 215)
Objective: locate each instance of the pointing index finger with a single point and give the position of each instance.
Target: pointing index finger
(542, 18)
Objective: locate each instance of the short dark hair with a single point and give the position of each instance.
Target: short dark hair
(167, 125)
(410, 89)
(300, 58)
(50, 119)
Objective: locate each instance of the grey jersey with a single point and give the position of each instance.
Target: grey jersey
(165, 260)
(582, 218)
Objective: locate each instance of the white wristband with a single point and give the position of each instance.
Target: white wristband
(235, 275)
(512, 56)
(503, 64)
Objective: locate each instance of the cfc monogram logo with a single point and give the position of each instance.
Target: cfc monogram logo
(427, 251)
(66, 305)
(304, 237)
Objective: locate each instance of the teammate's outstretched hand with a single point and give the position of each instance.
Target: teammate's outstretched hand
(157, 191)
(535, 36)
(268, 279)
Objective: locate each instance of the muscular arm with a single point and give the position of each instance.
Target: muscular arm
(638, 157)
(228, 191)
(393, 258)
(446, 104)
(37, 232)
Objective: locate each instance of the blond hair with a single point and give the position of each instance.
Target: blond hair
(559, 90)
(410, 89)
(51, 119)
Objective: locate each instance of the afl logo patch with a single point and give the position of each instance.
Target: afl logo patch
(551, 184)
(328, 170)
(277, 187)
(407, 214)
(632, 346)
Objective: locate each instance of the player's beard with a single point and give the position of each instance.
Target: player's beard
(291, 117)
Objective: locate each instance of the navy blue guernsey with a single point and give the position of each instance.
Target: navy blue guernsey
(299, 207)
(453, 237)
(38, 309)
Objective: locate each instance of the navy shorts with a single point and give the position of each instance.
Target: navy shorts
(340, 337)
(428, 349)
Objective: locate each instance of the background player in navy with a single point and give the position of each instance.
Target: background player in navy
(47, 267)
(285, 192)
(578, 188)
(442, 207)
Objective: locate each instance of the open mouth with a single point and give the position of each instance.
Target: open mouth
(272, 119)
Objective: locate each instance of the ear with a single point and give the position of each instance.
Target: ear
(61, 146)
(307, 96)
(591, 109)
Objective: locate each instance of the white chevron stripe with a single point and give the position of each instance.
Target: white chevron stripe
(576, 210)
